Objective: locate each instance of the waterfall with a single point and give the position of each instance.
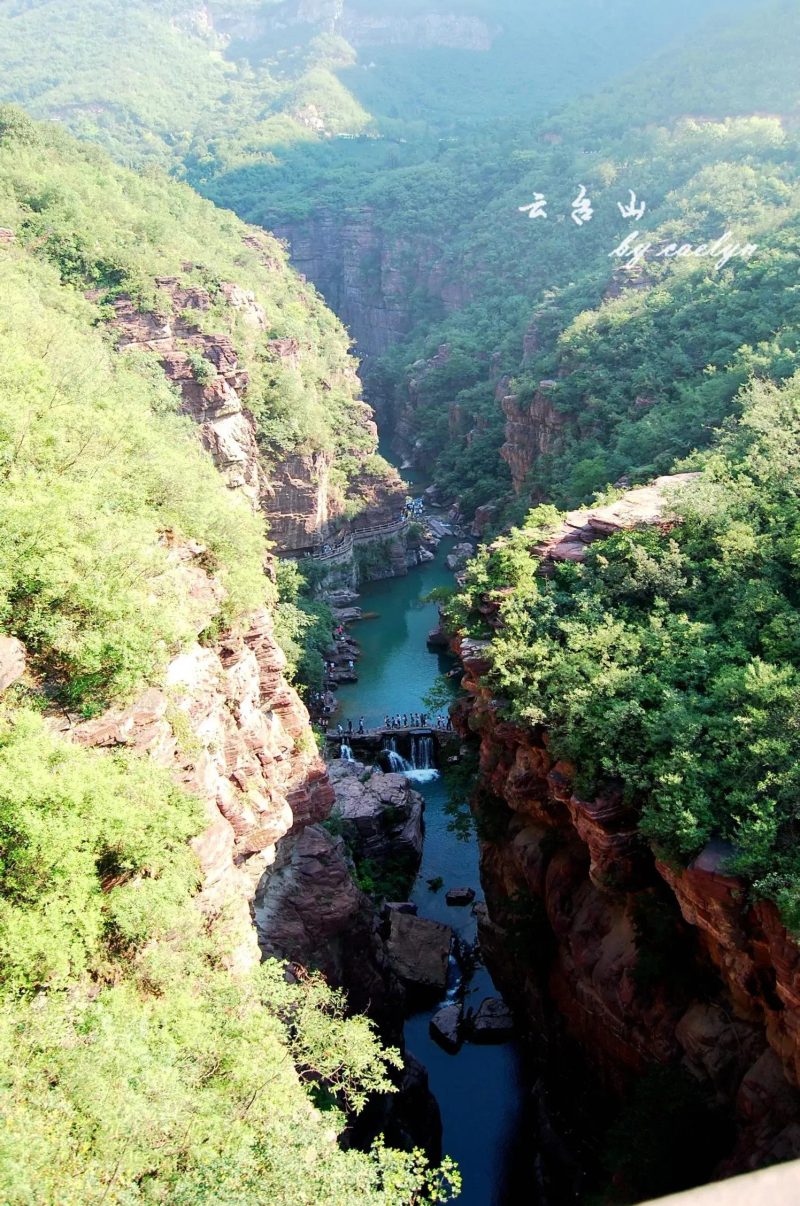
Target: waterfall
(422, 753)
(397, 764)
(421, 768)
(346, 752)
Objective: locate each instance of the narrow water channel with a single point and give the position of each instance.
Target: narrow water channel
(480, 1090)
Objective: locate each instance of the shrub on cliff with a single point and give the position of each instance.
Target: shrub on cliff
(303, 627)
(671, 663)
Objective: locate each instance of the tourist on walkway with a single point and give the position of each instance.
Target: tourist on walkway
(361, 725)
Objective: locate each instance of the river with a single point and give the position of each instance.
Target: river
(480, 1090)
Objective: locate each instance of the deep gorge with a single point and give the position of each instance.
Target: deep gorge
(399, 608)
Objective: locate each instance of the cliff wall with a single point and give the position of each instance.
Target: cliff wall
(422, 31)
(368, 277)
(642, 965)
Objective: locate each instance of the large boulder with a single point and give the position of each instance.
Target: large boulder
(380, 817)
(493, 1023)
(460, 897)
(445, 1028)
(419, 950)
(309, 911)
(459, 557)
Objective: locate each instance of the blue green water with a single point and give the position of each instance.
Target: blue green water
(479, 1090)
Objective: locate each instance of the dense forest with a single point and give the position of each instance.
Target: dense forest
(718, 153)
(669, 664)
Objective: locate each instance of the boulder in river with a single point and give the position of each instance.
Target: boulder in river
(347, 615)
(380, 818)
(493, 1023)
(460, 896)
(419, 950)
(459, 557)
(400, 906)
(445, 1027)
(437, 639)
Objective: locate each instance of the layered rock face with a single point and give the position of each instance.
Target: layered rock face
(641, 964)
(215, 399)
(238, 736)
(309, 910)
(368, 277)
(232, 731)
(533, 429)
(585, 939)
(295, 493)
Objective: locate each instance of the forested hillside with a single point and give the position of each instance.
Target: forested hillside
(668, 664)
(250, 109)
(242, 78)
(136, 1067)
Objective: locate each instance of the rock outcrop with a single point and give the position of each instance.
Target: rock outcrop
(309, 910)
(206, 370)
(237, 735)
(533, 429)
(295, 491)
(12, 661)
(380, 816)
(368, 277)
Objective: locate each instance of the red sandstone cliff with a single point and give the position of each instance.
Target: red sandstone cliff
(640, 963)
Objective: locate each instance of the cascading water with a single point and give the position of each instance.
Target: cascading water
(421, 768)
(423, 754)
(346, 752)
(398, 765)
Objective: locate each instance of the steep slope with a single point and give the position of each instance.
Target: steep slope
(418, 242)
(216, 302)
(152, 753)
(242, 79)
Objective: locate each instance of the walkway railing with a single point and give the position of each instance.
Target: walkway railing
(344, 548)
